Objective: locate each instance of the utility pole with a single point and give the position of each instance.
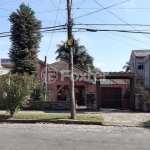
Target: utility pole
(70, 44)
(45, 77)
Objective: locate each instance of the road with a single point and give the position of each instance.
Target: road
(72, 137)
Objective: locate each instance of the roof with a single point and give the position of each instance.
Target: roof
(118, 81)
(141, 53)
(63, 66)
(111, 81)
(116, 75)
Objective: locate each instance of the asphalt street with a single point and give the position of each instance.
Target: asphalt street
(64, 137)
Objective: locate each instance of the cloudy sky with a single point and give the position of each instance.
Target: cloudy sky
(110, 49)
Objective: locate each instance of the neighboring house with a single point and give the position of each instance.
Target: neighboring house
(139, 64)
(5, 63)
(4, 71)
(147, 71)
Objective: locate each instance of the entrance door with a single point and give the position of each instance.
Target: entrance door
(80, 95)
(110, 97)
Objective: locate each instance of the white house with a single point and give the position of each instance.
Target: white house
(140, 64)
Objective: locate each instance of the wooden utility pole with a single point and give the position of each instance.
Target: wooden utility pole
(70, 44)
(45, 77)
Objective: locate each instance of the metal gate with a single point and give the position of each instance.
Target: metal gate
(115, 94)
(111, 97)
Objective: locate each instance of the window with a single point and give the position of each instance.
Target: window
(140, 66)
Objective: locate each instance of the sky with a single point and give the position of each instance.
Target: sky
(110, 50)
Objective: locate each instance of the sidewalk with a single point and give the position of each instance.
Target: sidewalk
(111, 116)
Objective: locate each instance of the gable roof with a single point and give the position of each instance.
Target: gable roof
(63, 65)
(141, 53)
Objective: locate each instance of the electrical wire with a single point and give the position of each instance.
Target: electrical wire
(126, 31)
(113, 24)
(115, 28)
(41, 28)
(53, 31)
(114, 8)
(33, 32)
(19, 3)
(78, 7)
(58, 10)
(100, 10)
(118, 17)
(113, 38)
(9, 1)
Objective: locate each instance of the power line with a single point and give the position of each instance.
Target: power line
(100, 10)
(79, 6)
(87, 29)
(114, 24)
(113, 8)
(112, 38)
(113, 32)
(41, 28)
(9, 1)
(118, 17)
(6, 9)
(125, 36)
(33, 32)
(126, 31)
(19, 3)
(53, 31)
(56, 8)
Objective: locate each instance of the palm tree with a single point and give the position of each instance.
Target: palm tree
(81, 58)
(127, 67)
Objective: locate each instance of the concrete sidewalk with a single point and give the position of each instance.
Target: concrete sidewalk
(111, 116)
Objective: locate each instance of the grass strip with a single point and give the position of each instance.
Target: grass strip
(51, 117)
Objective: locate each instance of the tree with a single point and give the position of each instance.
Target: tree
(127, 67)
(80, 56)
(16, 90)
(138, 89)
(26, 36)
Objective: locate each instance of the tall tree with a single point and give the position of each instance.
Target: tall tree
(127, 67)
(26, 36)
(81, 58)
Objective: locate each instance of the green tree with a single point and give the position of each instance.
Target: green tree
(16, 90)
(127, 67)
(81, 58)
(25, 39)
(138, 89)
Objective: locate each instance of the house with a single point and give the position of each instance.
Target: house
(140, 64)
(5, 63)
(112, 90)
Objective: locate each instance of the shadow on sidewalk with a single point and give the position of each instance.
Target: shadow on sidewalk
(4, 116)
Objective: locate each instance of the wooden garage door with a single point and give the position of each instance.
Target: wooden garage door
(111, 97)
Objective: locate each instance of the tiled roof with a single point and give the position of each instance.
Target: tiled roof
(116, 75)
(63, 66)
(118, 81)
(142, 53)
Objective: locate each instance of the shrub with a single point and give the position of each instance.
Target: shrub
(16, 90)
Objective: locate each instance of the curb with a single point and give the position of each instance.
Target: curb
(126, 124)
(59, 121)
(78, 122)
